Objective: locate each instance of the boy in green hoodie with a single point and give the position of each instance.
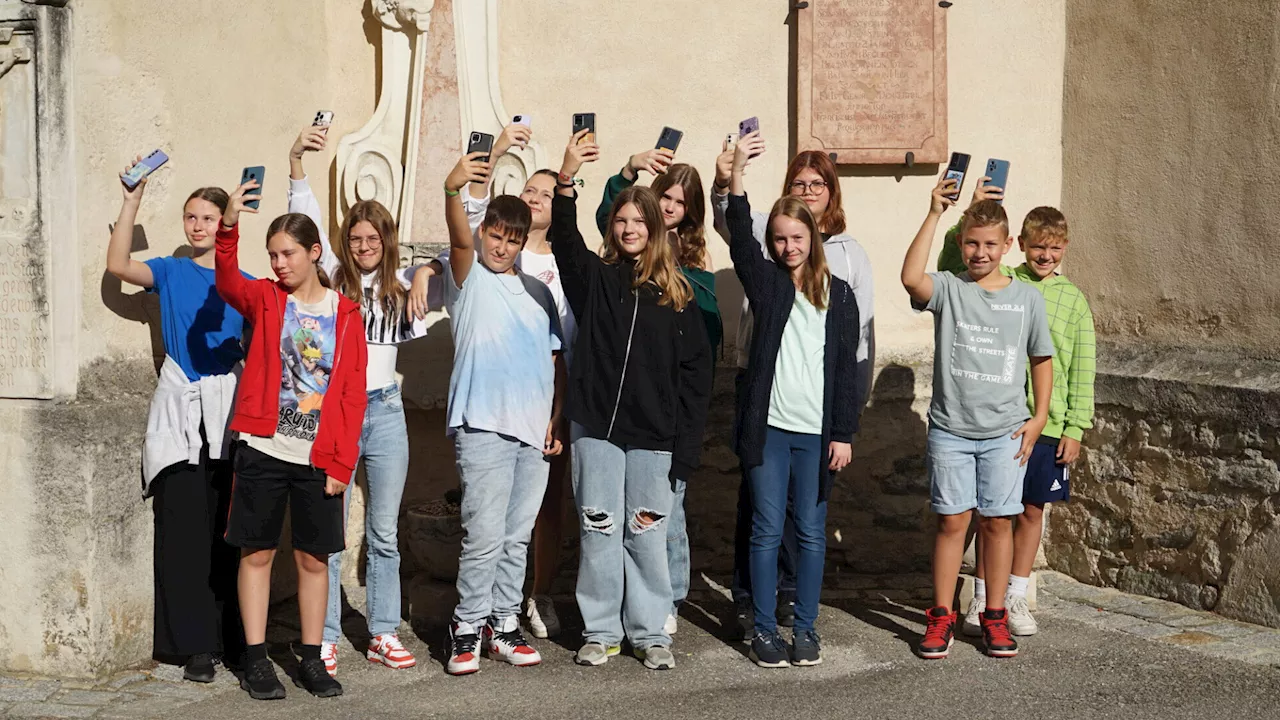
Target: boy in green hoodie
(1044, 242)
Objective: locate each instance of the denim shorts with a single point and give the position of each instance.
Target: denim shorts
(966, 474)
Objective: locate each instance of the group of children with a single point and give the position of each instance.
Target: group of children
(594, 364)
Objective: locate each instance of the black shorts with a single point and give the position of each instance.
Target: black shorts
(1047, 479)
(263, 487)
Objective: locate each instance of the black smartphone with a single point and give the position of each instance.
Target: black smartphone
(956, 169)
(669, 139)
(585, 121)
(253, 173)
(748, 126)
(480, 142)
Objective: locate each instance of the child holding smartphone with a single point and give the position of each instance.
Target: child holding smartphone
(299, 409)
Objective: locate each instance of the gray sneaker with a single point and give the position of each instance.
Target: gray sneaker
(806, 649)
(1020, 621)
(657, 658)
(972, 626)
(594, 653)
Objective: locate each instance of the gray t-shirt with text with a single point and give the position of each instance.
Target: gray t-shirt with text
(982, 340)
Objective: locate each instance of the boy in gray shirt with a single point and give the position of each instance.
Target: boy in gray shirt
(986, 326)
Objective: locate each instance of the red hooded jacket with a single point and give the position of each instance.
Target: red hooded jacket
(262, 303)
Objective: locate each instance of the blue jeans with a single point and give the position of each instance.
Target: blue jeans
(678, 549)
(384, 445)
(792, 461)
(503, 481)
(966, 474)
(624, 498)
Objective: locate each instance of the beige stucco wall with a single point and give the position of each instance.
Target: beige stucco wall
(1171, 188)
(218, 86)
(702, 67)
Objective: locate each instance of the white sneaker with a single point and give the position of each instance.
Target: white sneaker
(329, 654)
(671, 625)
(541, 612)
(387, 650)
(1020, 621)
(972, 626)
(505, 642)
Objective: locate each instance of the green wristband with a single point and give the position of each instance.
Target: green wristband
(449, 193)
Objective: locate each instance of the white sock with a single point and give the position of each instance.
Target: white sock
(979, 588)
(1018, 586)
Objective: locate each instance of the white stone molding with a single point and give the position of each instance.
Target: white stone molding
(372, 160)
(480, 94)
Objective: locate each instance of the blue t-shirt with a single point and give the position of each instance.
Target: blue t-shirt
(505, 328)
(201, 332)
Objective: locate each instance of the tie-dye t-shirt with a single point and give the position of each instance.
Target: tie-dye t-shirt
(307, 343)
(505, 329)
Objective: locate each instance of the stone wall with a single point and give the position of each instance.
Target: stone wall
(1176, 493)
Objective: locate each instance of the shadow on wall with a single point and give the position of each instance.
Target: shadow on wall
(142, 306)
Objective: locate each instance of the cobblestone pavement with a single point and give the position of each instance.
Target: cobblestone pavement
(1100, 653)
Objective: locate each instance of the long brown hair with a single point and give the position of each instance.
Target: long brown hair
(815, 277)
(691, 231)
(304, 232)
(832, 221)
(391, 294)
(656, 264)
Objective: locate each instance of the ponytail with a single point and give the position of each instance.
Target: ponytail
(303, 230)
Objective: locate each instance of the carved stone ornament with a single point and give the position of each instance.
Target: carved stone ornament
(11, 56)
(402, 14)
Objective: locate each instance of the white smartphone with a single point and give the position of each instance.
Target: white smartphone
(524, 120)
(324, 118)
(731, 142)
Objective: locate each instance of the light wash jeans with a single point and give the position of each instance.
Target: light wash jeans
(678, 549)
(624, 499)
(384, 445)
(503, 481)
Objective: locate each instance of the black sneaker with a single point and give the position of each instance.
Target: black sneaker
(199, 668)
(786, 612)
(746, 616)
(315, 679)
(261, 682)
(768, 651)
(806, 649)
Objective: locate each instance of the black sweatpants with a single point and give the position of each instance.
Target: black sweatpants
(196, 608)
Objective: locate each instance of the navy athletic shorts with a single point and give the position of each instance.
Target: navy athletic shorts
(1047, 479)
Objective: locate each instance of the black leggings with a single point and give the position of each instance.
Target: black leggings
(196, 610)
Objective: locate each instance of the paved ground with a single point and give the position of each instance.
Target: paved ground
(1100, 654)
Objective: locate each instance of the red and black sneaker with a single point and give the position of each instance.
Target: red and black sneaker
(939, 633)
(996, 636)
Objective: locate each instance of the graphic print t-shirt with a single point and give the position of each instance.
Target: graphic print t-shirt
(307, 343)
(544, 268)
(982, 341)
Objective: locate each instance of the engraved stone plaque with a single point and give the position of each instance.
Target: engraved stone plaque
(25, 348)
(871, 81)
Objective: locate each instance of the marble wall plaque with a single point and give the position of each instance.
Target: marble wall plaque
(871, 81)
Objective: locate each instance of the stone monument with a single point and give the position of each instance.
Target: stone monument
(871, 80)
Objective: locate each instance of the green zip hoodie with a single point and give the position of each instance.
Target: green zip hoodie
(1074, 356)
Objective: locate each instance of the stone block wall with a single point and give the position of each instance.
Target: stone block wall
(1176, 493)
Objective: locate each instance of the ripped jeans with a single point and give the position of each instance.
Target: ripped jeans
(623, 497)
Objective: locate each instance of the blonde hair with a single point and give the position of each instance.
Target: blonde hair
(816, 278)
(390, 294)
(656, 264)
(1044, 221)
(985, 213)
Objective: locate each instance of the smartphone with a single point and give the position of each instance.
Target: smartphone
(324, 118)
(524, 120)
(480, 142)
(143, 168)
(748, 126)
(956, 169)
(731, 142)
(669, 139)
(998, 171)
(585, 121)
(253, 173)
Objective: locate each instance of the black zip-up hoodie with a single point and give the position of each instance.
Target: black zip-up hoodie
(641, 372)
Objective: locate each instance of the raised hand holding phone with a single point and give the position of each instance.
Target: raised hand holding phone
(471, 168)
(579, 151)
(654, 162)
(516, 134)
(313, 138)
(242, 199)
(749, 146)
(142, 168)
(132, 194)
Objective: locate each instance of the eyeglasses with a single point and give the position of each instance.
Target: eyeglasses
(799, 187)
(373, 242)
